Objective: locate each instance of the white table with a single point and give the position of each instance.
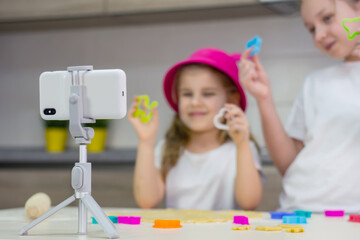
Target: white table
(63, 225)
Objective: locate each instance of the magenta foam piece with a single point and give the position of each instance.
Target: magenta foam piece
(243, 220)
(129, 220)
(334, 213)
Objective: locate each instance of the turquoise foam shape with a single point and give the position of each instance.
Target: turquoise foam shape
(294, 220)
(303, 213)
(113, 219)
(256, 44)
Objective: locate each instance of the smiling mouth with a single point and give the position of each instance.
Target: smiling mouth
(329, 46)
(197, 114)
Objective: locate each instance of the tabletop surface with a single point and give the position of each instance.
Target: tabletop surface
(63, 225)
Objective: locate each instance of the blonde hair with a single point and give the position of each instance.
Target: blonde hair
(178, 134)
(352, 3)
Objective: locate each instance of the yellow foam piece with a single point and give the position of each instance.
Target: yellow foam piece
(350, 35)
(295, 230)
(241, 227)
(286, 226)
(188, 216)
(144, 111)
(268, 228)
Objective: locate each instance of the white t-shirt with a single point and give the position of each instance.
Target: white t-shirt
(203, 181)
(326, 117)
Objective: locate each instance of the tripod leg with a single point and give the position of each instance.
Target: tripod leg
(25, 229)
(100, 216)
(82, 218)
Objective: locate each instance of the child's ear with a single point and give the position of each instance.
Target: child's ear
(357, 5)
(234, 98)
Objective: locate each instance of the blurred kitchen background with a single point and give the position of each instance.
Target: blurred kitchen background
(144, 38)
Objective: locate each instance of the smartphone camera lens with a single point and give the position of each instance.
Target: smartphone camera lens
(49, 111)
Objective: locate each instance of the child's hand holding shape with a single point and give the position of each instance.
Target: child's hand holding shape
(145, 131)
(356, 50)
(237, 123)
(253, 77)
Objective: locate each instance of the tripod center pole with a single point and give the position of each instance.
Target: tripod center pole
(83, 153)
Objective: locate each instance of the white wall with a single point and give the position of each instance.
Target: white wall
(145, 52)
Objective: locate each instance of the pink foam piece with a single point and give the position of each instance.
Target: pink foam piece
(243, 220)
(129, 220)
(334, 213)
(354, 218)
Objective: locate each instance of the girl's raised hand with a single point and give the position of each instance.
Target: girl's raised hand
(253, 77)
(237, 123)
(145, 131)
(356, 51)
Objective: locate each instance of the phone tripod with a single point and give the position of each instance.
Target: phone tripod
(81, 172)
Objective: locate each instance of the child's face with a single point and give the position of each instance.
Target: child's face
(323, 20)
(201, 96)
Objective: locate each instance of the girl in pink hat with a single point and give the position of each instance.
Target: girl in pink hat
(318, 153)
(198, 166)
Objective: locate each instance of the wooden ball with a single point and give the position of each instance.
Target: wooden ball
(37, 205)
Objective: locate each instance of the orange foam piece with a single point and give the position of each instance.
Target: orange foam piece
(167, 223)
(295, 230)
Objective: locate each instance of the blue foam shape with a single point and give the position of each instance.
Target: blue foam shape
(280, 215)
(94, 220)
(294, 219)
(256, 43)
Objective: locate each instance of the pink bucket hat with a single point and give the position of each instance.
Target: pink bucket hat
(213, 57)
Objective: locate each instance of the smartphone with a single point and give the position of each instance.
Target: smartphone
(105, 94)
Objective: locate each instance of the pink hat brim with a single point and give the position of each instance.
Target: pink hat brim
(169, 80)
